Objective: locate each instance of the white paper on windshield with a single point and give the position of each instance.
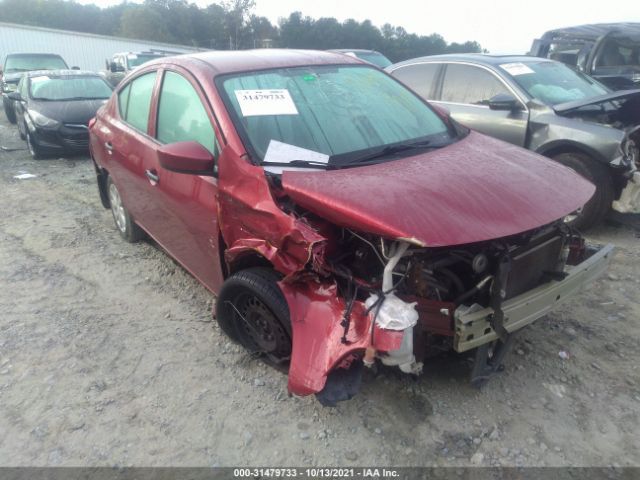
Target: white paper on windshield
(40, 78)
(279, 152)
(266, 102)
(516, 68)
(132, 56)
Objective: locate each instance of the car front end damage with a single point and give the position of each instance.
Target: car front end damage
(619, 112)
(422, 266)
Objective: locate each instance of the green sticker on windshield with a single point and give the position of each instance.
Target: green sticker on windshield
(309, 77)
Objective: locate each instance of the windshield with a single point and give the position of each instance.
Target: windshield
(69, 88)
(334, 111)
(553, 82)
(374, 57)
(33, 62)
(137, 59)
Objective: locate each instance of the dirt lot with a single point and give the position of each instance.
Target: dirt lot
(109, 356)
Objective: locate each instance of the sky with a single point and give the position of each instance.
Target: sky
(501, 26)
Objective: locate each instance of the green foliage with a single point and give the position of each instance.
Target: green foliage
(227, 25)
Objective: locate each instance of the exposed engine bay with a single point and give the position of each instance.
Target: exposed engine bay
(417, 290)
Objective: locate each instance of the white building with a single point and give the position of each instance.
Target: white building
(84, 50)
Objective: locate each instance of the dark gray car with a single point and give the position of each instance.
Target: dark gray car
(547, 107)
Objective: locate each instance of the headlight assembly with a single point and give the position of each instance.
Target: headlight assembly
(9, 87)
(42, 121)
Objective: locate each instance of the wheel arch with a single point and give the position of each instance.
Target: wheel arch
(554, 148)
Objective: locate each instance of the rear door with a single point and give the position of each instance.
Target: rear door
(466, 90)
(130, 149)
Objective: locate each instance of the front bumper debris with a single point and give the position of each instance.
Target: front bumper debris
(629, 201)
(473, 323)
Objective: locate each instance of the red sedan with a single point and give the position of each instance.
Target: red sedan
(340, 220)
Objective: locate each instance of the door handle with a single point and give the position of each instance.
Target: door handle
(152, 175)
(108, 147)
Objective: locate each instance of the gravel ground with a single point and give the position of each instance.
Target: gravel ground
(109, 356)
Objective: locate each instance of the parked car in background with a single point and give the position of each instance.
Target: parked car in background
(371, 56)
(547, 107)
(53, 109)
(337, 216)
(609, 52)
(121, 64)
(15, 64)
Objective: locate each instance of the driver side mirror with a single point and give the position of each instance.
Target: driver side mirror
(187, 157)
(15, 96)
(504, 101)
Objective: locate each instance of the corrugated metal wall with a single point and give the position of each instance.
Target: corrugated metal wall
(78, 49)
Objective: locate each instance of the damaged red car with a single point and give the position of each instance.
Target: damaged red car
(338, 218)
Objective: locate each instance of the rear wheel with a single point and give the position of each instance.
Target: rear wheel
(596, 209)
(126, 226)
(252, 310)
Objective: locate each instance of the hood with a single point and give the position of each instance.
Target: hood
(476, 189)
(575, 104)
(12, 77)
(75, 111)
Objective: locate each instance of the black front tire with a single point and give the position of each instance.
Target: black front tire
(35, 151)
(253, 312)
(127, 228)
(10, 112)
(597, 208)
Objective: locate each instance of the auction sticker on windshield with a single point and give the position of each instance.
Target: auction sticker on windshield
(266, 102)
(39, 79)
(516, 68)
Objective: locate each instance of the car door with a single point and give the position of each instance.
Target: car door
(188, 225)
(466, 90)
(130, 149)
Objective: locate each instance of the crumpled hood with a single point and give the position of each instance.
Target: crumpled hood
(476, 189)
(75, 111)
(607, 97)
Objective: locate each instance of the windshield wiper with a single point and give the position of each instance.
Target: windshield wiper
(390, 150)
(298, 164)
(82, 98)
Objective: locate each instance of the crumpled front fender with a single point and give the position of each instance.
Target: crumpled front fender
(316, 311)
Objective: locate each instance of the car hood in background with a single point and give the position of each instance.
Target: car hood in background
(608, 97)
(68, 111)
(476, 189)
(12, 77)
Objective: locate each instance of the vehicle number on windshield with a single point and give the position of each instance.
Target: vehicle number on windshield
(265, 102)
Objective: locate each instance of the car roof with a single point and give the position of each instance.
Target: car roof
(354, 50)
(595, 30)
(33, 55)
(141, 52)
(61, 73)
(479, 58)
(220, 62)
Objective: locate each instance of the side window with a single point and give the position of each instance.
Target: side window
(420, 78)
(134, 101)
(470, 85)
(181, 115)
(22, 88)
